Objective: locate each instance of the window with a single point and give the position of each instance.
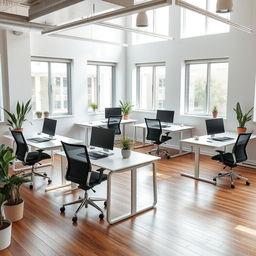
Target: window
(51, 86)
(100, 82)
(158, 22)
(206, 86)
(194, 24)
(151, 86)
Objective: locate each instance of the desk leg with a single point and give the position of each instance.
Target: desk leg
(134, 135)
(63, 180)
(123, 130)
(134, 211)
(196, 175)
(144, 139)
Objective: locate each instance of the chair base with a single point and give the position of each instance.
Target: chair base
(85, 202)
(159, 151)
(33, 173)
(232, 175)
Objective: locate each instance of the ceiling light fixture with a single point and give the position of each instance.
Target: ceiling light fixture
(142, 19)
(224, 6)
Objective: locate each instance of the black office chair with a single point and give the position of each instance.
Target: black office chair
(79, 171)
(29, 158)
(230, 160)
(154, 134)
(114, 123)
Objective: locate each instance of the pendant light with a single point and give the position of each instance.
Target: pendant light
(142, 19)
(224, 6)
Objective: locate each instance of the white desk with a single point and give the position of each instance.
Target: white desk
(51, 145)
(173, 128)
(204, 141)
(116, 164)
(89, 124)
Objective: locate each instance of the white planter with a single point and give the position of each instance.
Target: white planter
(5, 235)
(14, 212)
(126, 153)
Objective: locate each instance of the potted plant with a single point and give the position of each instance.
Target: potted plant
(46, 114)
(17, 119)
(242, 118)
(126, 109)
(94, 106)
(214, 112)
(6, 159)
(39, 114)
(14, 204)
(126, 145)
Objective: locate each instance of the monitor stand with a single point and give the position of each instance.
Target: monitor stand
(108, 152)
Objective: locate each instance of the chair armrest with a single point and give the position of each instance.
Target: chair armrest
(165, 137)
(40, 153)
(101, 170)
(221, 152)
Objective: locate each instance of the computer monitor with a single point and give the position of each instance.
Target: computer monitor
(102, 138)
(165, 116)
(49, 126)
(112, 112)
(214, 126)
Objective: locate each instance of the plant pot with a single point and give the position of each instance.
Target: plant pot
(126, 116)
(14, 212)
(18, 130)
(214, 114)
(46, 115)
(241, 130)
(39, 115)
(5, 234)
(126, 153)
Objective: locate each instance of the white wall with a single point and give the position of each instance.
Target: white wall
(239, 46)
(19, 52)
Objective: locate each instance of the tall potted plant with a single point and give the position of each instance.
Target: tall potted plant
(242, 118)
(17, 119)
(6, 159)
(14, 204)
(126, 109)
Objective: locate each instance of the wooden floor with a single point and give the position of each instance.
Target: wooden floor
(191, 218)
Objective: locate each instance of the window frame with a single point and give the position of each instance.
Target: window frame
(206, 23)
(98, 64)
(138, 67)
(208, 79)
(50, 86)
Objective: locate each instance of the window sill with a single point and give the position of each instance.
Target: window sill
(97, 113)
(53, 117)
(202, 116)
(144, 111)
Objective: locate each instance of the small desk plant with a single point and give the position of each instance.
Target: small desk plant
(126, 145)
(242, 118)
(214, 112)
(94, 106)
(16, 120)
(126, 109)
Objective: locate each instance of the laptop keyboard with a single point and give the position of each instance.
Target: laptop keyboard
(222, 138)
(94, 155)
(38, 139)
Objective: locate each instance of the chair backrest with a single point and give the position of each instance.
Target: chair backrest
(21, 145)
(239, 148)
(79, 165)
(114, 123)
(154, 129)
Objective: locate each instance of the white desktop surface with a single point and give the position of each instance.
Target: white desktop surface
(116, 162)
(100, 123)
(171, 128)
(206, 140)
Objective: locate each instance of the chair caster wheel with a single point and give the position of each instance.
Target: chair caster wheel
(247, 183)
(219, 173)
(232, 186)
(86, 205)
(31, 186)
(214, 179)
(62, 209)
(105, 203)
(49, 181)
(150, 153)
(101, 216)
(45, 174)
(74, 219)
(168, 157)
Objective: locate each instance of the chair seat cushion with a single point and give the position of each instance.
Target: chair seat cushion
(227, 159)
(35, 157)
(94, 180)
